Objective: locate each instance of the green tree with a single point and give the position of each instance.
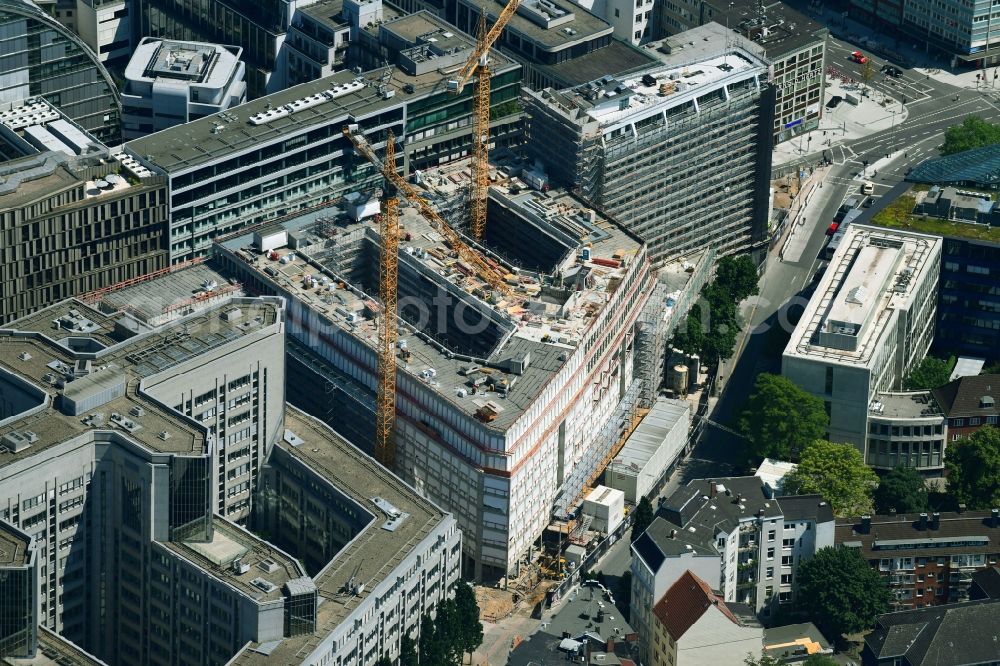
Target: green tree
(838, 473)
(470, 627)
(973, 132)
(973, 465)
(408, 652)
(624, 598)
(432, 648)
(930, 373)
(383, 661)
(448, 631)
(763, 660)
(820, 660)
(780, 419)
(689, 335)
(642, 516)
(902, 489)
(839, 592)
(738, 275)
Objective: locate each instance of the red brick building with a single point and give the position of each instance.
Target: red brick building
(969, 403)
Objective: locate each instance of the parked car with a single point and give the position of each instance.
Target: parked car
(892, 70)
(834, 102)
(832, 229)
(868, 187)
(859, 57)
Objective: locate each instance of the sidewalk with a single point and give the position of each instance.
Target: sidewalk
(803, 216)
(844, 124)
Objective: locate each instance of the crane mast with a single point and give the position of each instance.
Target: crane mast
(385, 416)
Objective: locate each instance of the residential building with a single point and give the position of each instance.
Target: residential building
(907, 429)
(694, 625)
(651, 450)
(139, 454)
(954, 634)
(104, 25)
(795, 643)
(969, 403)
(43, 58)
(732, 534)
(286, 152)
(560, 43)
(637, 148)
(926, 559)
(587, 627)
(870, 320)
(170, 83)
(516, 407)
(74, 218)
(793, 44)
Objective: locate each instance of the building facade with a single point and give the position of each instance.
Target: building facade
(968, 320)
(907, 429)
(44, 58)
(793, 44)
(736, 537)
(695, 626)
(869, 322)
(969, 403)
(637, 148)
(72, 218)
(171, 83)
(104, 25)
(287, 152)
(926, 559)
(135, 452)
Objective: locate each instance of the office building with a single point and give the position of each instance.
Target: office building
(638, 148)
(44, 58)
(516, 400)
(18, 582)
(286, 152)
(74, 218)
(969, 403)
(793, 44)
(907, 429)
(320, 34)
(693, 625)
(926, 559)
(733, 535)
(104, 25)
(140, 454)
(869, 322)
(171, 83)
(559, 43)
(956, 634)
(968, 32)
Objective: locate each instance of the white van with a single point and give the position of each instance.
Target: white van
(868, 187)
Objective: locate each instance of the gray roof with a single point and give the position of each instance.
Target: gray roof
(586, 26)
(617, 59)
(949, 635)
(788, 30)
(646, 439)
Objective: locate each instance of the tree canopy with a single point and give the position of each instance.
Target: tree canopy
(470, 627)
(839, 592)
(930, 373)
(902, 489)
(837, 472)
(408, 652)
(973, 132)
(738, 276)
(780, 419)
(642, 516)
(973, 465)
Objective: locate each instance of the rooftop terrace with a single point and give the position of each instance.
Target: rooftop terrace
(13, 546)
(374, 553)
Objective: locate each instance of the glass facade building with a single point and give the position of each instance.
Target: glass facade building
(18, 582)
(41, 57)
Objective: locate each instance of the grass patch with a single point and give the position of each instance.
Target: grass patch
(898, 215)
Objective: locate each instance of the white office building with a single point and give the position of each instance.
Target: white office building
(170, 83)
(870, 321)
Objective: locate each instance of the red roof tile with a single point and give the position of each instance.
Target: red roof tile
(684, 604)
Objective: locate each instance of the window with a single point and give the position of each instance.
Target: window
(769, 574)
(829, 380)
(770, 535)
(770, 553)
(616, 13)
(787, 560)
(638, 34)
(786, 579)
(788, 543)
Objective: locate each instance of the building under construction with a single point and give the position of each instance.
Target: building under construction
(681, 154)
(507, 406)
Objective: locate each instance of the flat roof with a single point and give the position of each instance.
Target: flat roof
(13, 546)
(617, 59)
(54, 650)
(186, 146)
(28, 351)
(374, 552)
(543, 325)
(328, 12)
(873, 273)
(155, 299)
(788, 30)
(665, 415)
(790, 639)
(569, 23)
(187, 63)
(268, 568)
(905, 405)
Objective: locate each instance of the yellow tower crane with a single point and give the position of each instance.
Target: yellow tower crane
(478, 65)
(385, 399)
(395, 184)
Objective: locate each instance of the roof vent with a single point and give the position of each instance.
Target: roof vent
(24, 356)
(19, 441)
(263, 585)
(268, 565)
(240, 567)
